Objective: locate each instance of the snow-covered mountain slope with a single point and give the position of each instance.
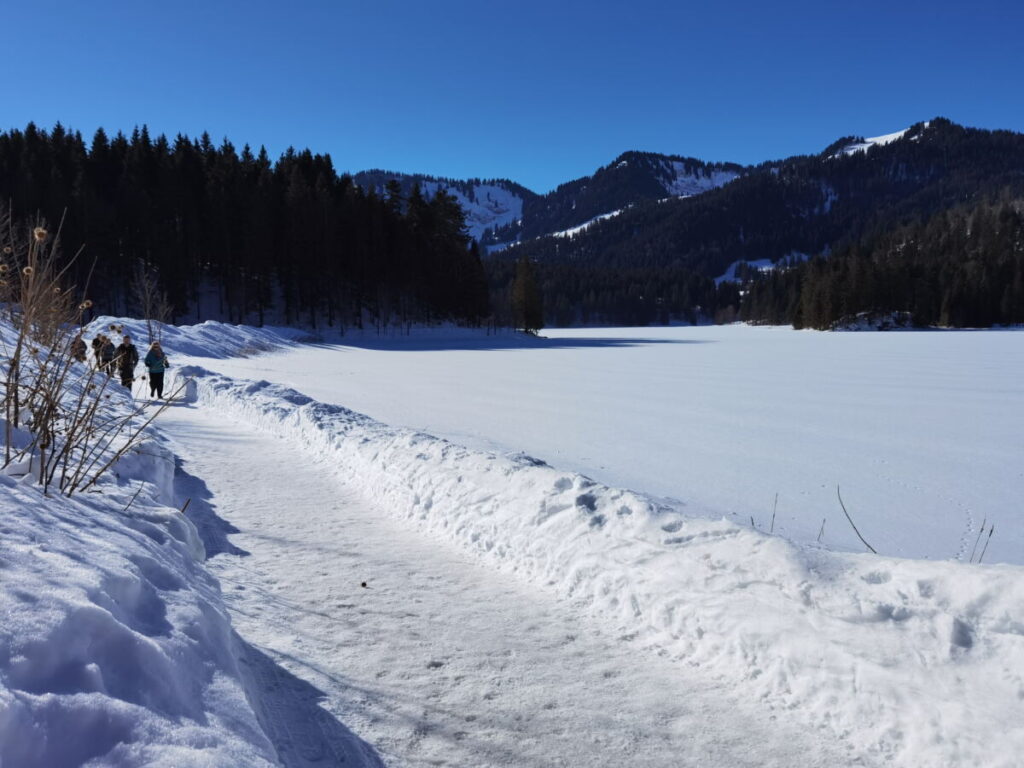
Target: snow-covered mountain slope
(487, 204)
(572, 231)
(681, 180)
(862, 145)
(911, 663)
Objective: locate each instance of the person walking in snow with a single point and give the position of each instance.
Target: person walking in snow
(156, 363)
(78, 348)
(127, 359)
(107, 353)
(97, 346)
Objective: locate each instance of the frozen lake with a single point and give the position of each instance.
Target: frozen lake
(923, 431)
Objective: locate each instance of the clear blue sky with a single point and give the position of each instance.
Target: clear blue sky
(539, 92)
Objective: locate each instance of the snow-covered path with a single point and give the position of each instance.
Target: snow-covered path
(438, 660)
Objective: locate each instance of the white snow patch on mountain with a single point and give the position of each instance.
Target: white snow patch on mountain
(572, 231)
(862, 146)
(491, 205)
(762, 265)
(680, 183)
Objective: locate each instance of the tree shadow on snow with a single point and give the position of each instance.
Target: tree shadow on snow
(303, 733)
(494, 342)
(213, 530)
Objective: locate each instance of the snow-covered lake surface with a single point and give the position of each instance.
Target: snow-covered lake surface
(924, 432)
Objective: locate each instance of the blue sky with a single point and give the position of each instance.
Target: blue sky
(539, 92)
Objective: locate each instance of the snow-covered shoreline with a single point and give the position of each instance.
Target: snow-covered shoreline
(911, 661)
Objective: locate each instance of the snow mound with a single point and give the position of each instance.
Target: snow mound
(115, 648)
(210, 339)
(917, 663)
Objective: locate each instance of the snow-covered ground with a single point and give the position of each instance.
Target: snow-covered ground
(439, 659)
(906, 661)
(115, 646)
(922, 431)
(517, 612)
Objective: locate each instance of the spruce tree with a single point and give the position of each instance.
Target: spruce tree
(527, 304)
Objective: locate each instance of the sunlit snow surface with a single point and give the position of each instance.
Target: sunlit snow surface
(924, 432)
(493, 578)
(900, 661)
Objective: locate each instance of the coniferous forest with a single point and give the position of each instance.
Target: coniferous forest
(960, 268)
(233, 235)
(928, 225)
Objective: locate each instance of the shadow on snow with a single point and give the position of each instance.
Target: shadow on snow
(213, 529)
(289, 710)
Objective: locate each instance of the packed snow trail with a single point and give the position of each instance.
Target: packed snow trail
(437, 660)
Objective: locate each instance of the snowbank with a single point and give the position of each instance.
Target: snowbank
(207, 339)
(915, 662)
(115, 647)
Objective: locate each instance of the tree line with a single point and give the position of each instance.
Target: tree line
(236, 236)
(959, 268)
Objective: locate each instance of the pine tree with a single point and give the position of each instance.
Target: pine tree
(527, 304)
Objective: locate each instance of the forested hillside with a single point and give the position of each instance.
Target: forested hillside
(961, 268)
(236, 236)
(656, 260)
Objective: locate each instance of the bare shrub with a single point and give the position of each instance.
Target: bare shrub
(59, 416)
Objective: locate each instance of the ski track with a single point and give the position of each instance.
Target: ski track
(439, 661)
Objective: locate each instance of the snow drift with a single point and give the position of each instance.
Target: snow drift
(914, 662)
(115, 647)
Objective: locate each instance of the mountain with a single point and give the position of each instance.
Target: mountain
(500, 212)
(488, 205)
(647, 238)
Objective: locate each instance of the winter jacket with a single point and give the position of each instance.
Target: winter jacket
(156, 362)
(78, 349)
(107, 351)
(127, 357)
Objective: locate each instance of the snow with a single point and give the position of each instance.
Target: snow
(440, 659)
(206, 339)
(573, 231)
(115, 647)
(865, 145)
(679, 183)
(518, 611)
(493, 205)
(921, 430)
(762, 265)
(906, 661)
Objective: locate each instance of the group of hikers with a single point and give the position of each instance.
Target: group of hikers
(123, 359)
